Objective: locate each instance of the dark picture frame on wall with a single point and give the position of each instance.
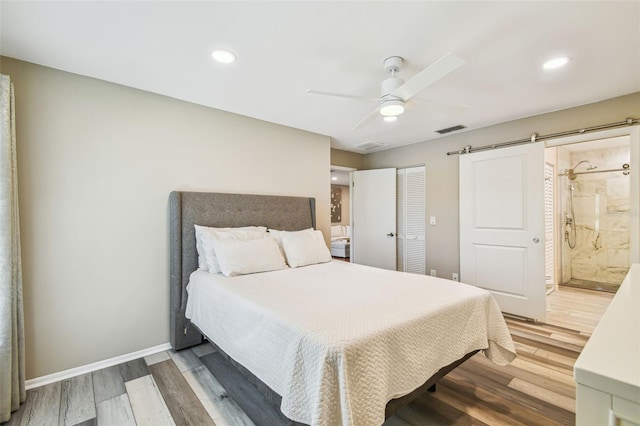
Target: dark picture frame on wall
(336, 205)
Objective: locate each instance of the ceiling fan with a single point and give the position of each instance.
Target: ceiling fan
(395, 92)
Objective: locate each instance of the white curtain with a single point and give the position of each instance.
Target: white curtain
(12, 391)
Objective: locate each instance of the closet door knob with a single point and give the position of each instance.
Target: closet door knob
(390, 234)
(536, 240)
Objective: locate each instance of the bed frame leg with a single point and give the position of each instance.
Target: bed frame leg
(432, 388)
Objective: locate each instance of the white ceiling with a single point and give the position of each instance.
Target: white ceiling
(285, 48)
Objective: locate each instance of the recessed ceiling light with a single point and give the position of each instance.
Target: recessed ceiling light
(556, 63)
(223, 56)
(391, 118)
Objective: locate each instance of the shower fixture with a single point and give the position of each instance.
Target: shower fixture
(591, 166)
(570, 173)
(570, 220)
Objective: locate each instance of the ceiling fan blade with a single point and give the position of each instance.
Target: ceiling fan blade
(366, 120)
(434, 72)
(443, 108)
(340, 95)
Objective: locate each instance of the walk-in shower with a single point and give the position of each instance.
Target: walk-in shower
(594, 197)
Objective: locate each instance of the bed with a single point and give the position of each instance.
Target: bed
(351, 361)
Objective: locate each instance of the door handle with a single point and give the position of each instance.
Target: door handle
(536, 240)
(390, 234)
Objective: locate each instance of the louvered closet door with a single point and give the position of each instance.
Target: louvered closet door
(549, 172)
(411, 220)
(400, 237)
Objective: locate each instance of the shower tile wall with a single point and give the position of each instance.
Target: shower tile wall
(601, 206)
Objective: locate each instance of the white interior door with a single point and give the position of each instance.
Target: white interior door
(373, 218)
(502, 226)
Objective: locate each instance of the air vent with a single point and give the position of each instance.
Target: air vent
(451, 129)
(368, 146)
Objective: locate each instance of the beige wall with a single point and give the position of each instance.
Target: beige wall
(347, 159)
(96, 164)
(442, 170)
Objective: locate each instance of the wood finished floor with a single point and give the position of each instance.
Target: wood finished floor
(577, 309)
(179, 388)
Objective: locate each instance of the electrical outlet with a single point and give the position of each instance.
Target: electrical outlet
(433, 272)
(454, 276)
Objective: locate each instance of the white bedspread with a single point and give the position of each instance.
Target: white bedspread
(337, 341)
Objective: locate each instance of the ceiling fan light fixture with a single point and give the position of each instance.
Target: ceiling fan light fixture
(392, 108)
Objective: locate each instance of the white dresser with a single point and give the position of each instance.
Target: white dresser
(607, 372)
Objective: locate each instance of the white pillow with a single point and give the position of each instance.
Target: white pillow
(206, 232)
(277, 235)
(238, 257)
(305, 248)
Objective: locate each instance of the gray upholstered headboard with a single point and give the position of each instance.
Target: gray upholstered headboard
(220, 210)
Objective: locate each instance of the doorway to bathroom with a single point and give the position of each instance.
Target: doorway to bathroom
(340, 212)
(588, 213)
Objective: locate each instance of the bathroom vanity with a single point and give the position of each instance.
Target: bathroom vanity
(607, 372)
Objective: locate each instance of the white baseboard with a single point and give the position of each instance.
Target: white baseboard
(72, 372)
